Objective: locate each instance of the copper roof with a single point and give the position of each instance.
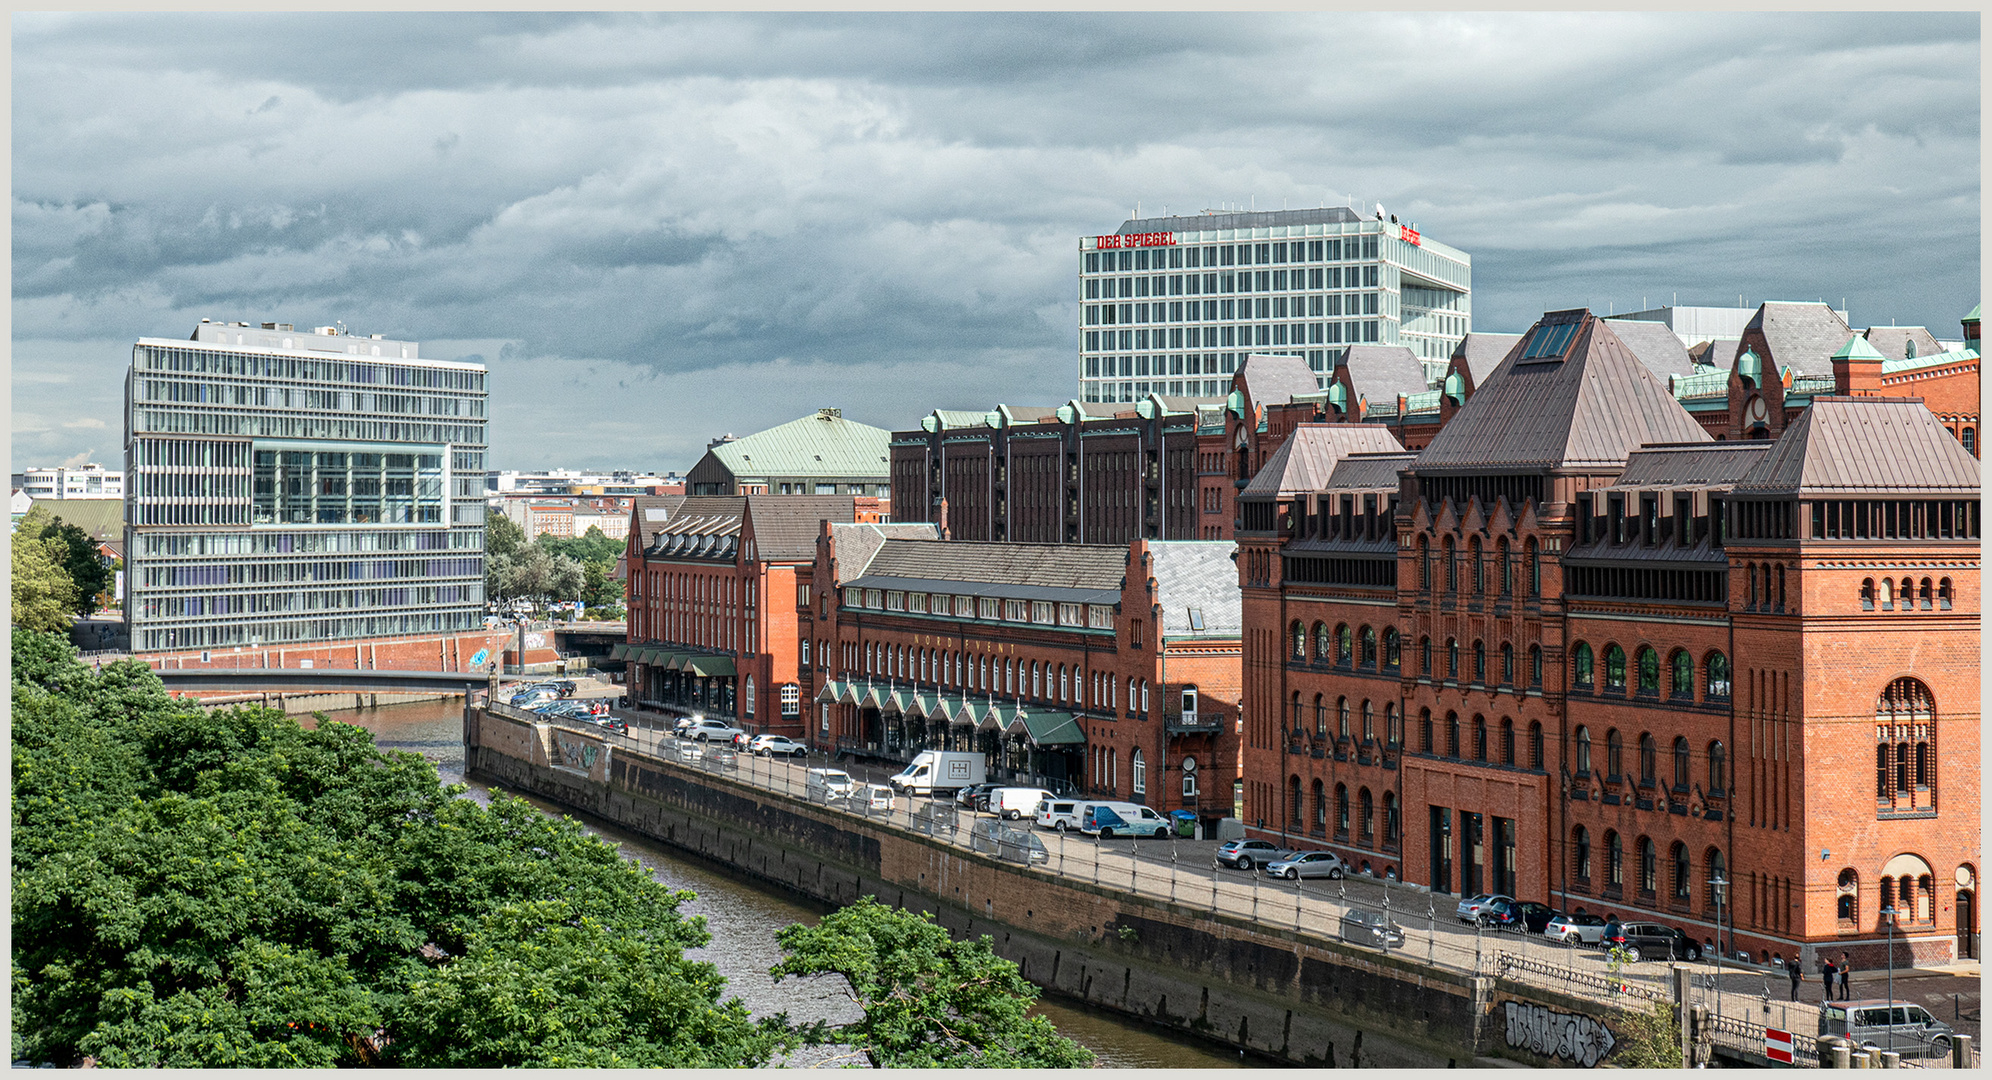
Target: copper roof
(1801, 336)
(1381, 372)
(1587, 406)
(1305, 461)
(1864, 446)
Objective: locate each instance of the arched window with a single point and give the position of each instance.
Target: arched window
(1425, 730)
(1718, 769)
(1138, 767)
(1473, 555)
(1614, 668)
(1342, 717)
(1867, 594)
(1480, 738)
(1535, 745)
(1297, 718)
(1299, 641)
(1393, 724)
(1425, 656)
(1683, 685)
(1507, 664)
(1580, 852)
(1392, 829)
(1452, 567)
(1144, 697)
(1681, 885)
(1926, 595)
(1648, 758)
(1649, 670)
(1944, 594)
(1649, 866)
(1368, 640)
(1716, 871)
(1908, 590)
(1583, 751)
(1614, 755)
(1614, 859)
(1535, 666)
(1452, 734)
(1321, 645)
(1320, 717)
(1037, 683)
(1534, 569)
(1452, 658)
(1906, 732)
(1718, 675)
(1506, 581)
(1969, 439)
(1341, 809)
(1392, 649)
(1424, 563)
(1885, 590)
(1680, 763)
(1343, 641)
(747, 696)
(1061, 683)
(1581, 675)
(1507, 741)
(1366, 817)
(1369, 721)
(1320, 807)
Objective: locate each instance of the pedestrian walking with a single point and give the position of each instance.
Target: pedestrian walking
(1797, 974)
(1846, 975)
(1826, 973)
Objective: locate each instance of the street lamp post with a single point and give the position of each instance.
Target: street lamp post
(1718, 885)
(1888, 916)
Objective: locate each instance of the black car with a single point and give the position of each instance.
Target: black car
(1533, 916)
(1650, 941)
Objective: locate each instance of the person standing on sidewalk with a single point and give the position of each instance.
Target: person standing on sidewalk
(1797, 973)
(1846, 975)
(1826, 973)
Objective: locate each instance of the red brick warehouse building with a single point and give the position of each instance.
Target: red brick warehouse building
(1629, 660)
(1108, 669)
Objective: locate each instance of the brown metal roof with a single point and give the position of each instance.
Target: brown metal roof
(1693, 465)
(1864, 446)
(1587, 407)
(785, 526)
(1274, 380)
(1305, 461)
(1381, 372)
(1801, 336)
(1658, 347)
(1483, 352)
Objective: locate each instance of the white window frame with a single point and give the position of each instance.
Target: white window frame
(1016, 611)
(990, 608)
(1138, 772)
(791, 699)
(916, 602)
(1071, 615)
(874, 599)
(1043, 612)
(895, 600)
(1099, 616)
(747, 696)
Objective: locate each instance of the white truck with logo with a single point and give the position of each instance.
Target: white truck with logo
(941, 770)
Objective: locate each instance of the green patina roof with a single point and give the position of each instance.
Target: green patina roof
(819, 445)
(1972, 315)
(1857, 348)
(1053, 729)
(1709, 382)
(1751, 366)
(1890, 367)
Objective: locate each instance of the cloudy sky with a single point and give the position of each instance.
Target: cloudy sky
(659, 229)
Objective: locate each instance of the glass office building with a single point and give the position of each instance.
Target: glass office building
(286, 487)
(1171, 305)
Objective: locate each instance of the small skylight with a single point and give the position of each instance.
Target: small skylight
(1549, 341)
(1196, 619)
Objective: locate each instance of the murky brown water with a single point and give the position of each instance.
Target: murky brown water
(743, 916)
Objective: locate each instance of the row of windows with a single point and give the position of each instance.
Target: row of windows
(1480, 672)
(1135, 391)
(1473, 566)
(1227, 311)
(1333, 277)
(268, 572)
(1393, 728)
(261, 602)
(1680, 883)
(344, 428)
(1441, 737)
(1716, 760)
(1911, 897)
(1346, 646)
(284, 397)
(1321, 360)
(192, 453)
(1365, 823)
(287, 631)
(1010, 676)
(1895, 519)
(1042, 612)
(329, 542)
(258, 365)
(1680, 667)
(1263, 254)
(1908, 595)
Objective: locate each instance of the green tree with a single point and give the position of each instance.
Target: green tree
(196, 889)
(74, 551)
(591, 546)
(44, 594)
(929, 1001)
(502, 535)
(599, 587)
(537, 573)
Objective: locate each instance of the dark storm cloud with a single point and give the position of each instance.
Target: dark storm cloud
(882, 210)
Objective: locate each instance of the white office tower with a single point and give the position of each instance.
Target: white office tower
(1171, 305)
(286, 487)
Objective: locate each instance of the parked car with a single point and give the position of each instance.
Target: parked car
(967, 796)
(1522, 916)
(1245, 854)
(610, 723)
(1650, 941)
(1905, 1026)
(1021, 846)
(985, 835)
(771, 745)
(1476, 907)
(1309, 864)
(1575, 929)
(824, 785)
(684, 724)
(690, 752)
(1371, 928)
(723, 758)
(712, 730)
(1058, 814)
(1110, 819)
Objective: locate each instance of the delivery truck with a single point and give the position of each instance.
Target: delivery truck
(941, 770)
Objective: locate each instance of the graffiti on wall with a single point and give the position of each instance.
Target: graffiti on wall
(1577, 1039)
(572, 750)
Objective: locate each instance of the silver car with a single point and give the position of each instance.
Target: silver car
(1905, 1026)
(1309, 864)
(1371, 928)
(1576, 929)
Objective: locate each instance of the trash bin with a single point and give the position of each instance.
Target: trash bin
(1186, 823)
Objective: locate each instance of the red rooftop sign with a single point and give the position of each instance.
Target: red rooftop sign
(1133, 240)
(1408, 234)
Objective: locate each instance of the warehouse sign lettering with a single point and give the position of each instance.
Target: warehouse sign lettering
(1134, 240)
(1577, 1039)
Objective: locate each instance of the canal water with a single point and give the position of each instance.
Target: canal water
(743, 915)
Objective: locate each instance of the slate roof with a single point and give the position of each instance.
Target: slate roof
(856, 544)
(1483, 352)
(1362, 472)
(1305, 461)
(1657, 346)
(1197, 574)
(1892, 341)
(786, 526)
(1381, 372)
(101, 519)
(650, 514)
(1588, 406)
(1716, 352)
(1709, 464)
(1802, 336)
(1274, 380)
(952, 563)
(818, 445)
(1864, 446)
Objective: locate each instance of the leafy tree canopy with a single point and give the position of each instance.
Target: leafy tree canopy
(502, 535)
(929, 1001)
(592, 546)
(73, 550)
(201, 889)
(43, 593)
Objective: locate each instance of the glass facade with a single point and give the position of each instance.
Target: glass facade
(277, 495)
(1177, 310)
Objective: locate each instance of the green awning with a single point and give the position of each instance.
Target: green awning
(668, 660)
(830, 692)
(620, 650)
(1054, 729)
(641, 654)
(709, 666)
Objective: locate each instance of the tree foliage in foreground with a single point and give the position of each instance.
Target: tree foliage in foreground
(929, 1001)
(197, 889)
(73, 552)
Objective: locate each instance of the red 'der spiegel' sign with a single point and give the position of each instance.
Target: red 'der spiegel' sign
(1133, 240)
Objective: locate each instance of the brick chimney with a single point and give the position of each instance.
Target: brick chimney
(941, 518)
(1857, 369)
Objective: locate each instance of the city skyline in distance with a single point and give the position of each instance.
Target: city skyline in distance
(656, 230)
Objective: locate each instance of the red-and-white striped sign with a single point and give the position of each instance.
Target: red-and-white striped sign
(1777, 1045)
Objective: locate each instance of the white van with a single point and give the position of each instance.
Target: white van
(1058, 814)
(1121, 819)
(1015, 803)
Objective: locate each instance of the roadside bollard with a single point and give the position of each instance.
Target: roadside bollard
(1172, 871)
(1431, 932)
(1296, 901)
(1961, 1052)
(1891, 1060)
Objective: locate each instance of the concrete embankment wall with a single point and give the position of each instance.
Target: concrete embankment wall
(1295, 997)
